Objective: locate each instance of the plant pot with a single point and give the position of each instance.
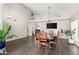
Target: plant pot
(2, 45)
(71, 41)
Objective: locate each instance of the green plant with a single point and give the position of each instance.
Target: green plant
(61, 30)
(12, 36)
(4, 31)
(70, 32)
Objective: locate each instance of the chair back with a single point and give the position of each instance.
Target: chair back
(37, 36)
(43, 36)
(51, 34)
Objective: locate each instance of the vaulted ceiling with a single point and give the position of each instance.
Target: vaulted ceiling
(65, 10)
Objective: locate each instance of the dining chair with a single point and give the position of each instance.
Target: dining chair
(51, 34)
(58, 40)
(43, 40)
(55, 41)
(37, 38)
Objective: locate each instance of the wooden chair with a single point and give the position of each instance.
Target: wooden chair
(58, 40)
(55, 41)
(43, 40)
(37, 38)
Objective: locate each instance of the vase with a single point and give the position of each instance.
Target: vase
(71, 41)
(2, 45)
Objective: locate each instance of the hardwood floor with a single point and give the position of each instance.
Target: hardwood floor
(26, 46)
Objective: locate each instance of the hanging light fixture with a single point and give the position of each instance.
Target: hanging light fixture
(49, 13)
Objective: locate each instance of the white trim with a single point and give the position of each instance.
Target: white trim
(34, 21)
(11, 39)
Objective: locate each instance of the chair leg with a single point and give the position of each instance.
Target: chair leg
(49, 46)
(39, 46)
(56, 45)
(46, 49)
(59, 44)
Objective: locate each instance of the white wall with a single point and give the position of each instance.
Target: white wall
(18, 16)
(1, 4)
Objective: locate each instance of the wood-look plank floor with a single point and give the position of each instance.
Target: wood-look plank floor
(26, 46)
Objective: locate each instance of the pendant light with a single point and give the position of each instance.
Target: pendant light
(49, 13)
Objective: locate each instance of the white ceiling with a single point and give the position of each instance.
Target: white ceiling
(66, 10)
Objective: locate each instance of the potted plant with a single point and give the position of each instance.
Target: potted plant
(61, 30)
(3, 33)
(70, 34)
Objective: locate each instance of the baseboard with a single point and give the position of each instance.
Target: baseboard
(11, 39)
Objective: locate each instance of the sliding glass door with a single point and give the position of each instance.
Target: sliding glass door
(74, 25)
